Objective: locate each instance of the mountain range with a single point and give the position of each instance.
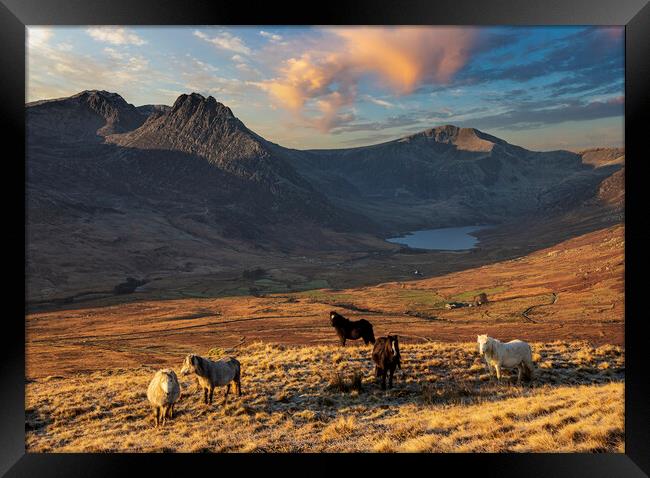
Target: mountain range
(156, 188)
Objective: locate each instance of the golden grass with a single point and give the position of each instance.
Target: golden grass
(324, 398)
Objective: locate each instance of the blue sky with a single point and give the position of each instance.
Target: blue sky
(325, 87)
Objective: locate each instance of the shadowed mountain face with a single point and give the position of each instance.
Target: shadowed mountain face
(194, 153)
(86, 116)
(453, 176)
(118, 190)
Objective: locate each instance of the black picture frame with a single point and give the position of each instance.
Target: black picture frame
(634, 14)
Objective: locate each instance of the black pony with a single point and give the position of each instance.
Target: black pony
(352, 329)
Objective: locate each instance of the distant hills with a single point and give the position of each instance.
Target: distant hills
(453, 176)
(132, 190)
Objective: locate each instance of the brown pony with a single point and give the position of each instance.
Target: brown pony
(352, 329)
(387, 358)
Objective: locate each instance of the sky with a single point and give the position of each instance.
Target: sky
(542, 88)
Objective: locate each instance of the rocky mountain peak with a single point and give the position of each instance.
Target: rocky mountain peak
(464, 139)
(195, 103)
(97, 113)
(97, 95)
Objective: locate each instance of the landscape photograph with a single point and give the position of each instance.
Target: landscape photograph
(295, 239)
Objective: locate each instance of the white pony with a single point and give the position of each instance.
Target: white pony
(515, 353)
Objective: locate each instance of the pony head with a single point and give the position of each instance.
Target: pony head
(483, 343)
(168, 380)
(394, 344)
(189, 364)
(337, 319)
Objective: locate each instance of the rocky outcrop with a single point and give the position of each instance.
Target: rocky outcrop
(89, 115)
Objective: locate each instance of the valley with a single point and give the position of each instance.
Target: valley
(182, 195)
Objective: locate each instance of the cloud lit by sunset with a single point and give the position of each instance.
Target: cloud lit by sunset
(399, 59)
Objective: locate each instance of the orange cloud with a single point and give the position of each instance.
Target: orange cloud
(400, 59)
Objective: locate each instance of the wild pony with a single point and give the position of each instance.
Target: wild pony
(211, 374)
(387, 358)
(515, 353)
(352, 329)
(163, 391)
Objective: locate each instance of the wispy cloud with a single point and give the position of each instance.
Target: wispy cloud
(38, 36)
(377, 101)
(271, 36)
(115, 36)
(225, 41)
(54, 72)
(526, 118)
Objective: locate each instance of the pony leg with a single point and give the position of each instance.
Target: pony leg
(155, 416)
(205, 396)
(225, 397)
(342, 341)
(497, 367)
(211, 393)
(520, 371)
(390, 379)
(164, 415)
(238, 386)
(383, 379)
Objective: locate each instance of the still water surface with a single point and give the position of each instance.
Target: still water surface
(446, 239)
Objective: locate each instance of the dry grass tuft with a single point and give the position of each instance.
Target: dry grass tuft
(339, 383)
(339, 429)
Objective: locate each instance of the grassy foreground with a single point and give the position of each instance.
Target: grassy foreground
(324, 398)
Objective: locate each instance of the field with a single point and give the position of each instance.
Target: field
(307, 399)
(88, 365)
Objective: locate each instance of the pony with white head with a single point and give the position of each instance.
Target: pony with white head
(498, 355)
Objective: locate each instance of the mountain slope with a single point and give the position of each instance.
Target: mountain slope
(451, 175)
(86, 116)
(189, 189)
(208, 129)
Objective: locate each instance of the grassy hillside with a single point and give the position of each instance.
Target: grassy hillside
(571, 291)
(306, 398)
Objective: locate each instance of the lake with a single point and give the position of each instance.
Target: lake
(445, 239)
